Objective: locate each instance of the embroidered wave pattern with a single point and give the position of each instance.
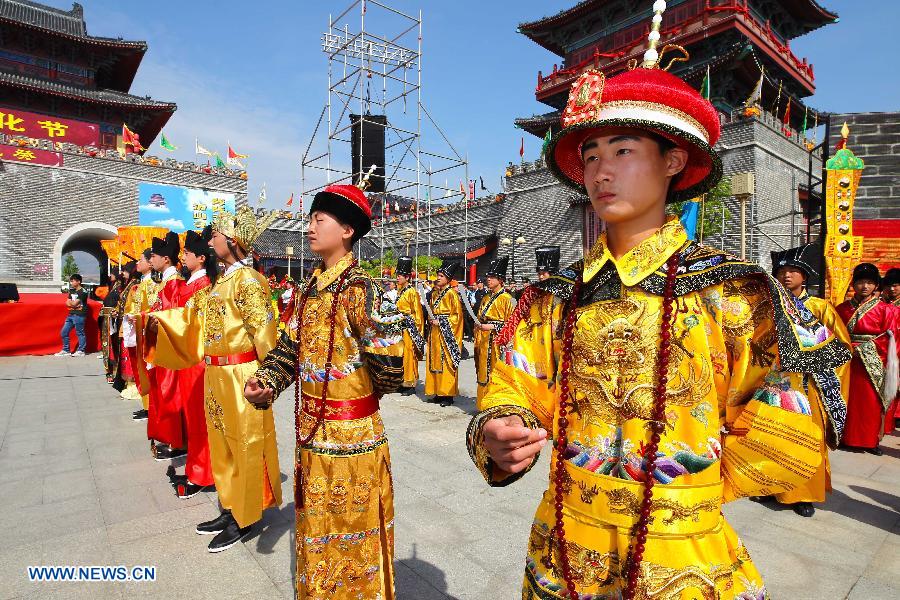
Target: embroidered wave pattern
(616, 458)
(777, 391)
(312, 375)
(348, 537)
(520, 362)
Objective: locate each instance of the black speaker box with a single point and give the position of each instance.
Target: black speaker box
(367, 149)
(9, 292)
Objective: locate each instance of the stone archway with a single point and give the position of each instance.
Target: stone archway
(82, 236)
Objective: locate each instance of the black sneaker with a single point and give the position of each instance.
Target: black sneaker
(228, 537)
(164, 452)
(446, 401)
(189, 490)
(804, 509)
(140, 415)
(217, 525)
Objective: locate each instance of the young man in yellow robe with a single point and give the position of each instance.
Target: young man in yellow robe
(493, 311)
(409, 302)
(142, 297)
(792, 268)
(232, 329)
(445, 338)
(342, 354)
(663, 373)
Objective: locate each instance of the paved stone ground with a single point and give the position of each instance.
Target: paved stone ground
(78, 487)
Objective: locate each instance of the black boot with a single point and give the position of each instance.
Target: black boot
(228, 537)
(164, 452)
(876, 451)
(434, 400)
(216, 525)
(407, 391)
(804, 509)
(187, 489)
(446, 400)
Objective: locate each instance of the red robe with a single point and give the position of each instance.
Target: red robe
(190, 389)
(865, 407)
(166, 422)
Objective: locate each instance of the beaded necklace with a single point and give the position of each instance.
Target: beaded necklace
(656, 426)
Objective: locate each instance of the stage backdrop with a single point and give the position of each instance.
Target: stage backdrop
(180, 208)
(32, 326)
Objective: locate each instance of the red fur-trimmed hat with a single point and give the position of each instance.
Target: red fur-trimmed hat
(648, 98)
(349, 204)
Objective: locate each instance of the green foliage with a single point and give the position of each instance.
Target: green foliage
(424, 264)
(69, 267)
(711, 208)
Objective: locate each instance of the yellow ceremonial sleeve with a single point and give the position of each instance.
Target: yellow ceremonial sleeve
(253, 300)
(829, 317)
(179, 338)
(523, 384)
(772, 444)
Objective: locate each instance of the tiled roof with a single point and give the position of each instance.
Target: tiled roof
(69, 23)
(109, 97)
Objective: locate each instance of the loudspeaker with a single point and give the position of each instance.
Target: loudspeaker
(367, 149)
(9, 292)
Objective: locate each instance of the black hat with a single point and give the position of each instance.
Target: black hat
(198, 243)
(800, 258)
(497, 268)
(349, 205)
(891, 277)
(547, 258)
(404, 266)
(169, 246)
(450, 269)
(866, 271)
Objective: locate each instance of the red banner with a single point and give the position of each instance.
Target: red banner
(19, 122)
(30, 155)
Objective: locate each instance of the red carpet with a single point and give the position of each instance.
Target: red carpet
(32, 325)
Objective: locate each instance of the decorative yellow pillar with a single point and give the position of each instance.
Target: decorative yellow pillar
(843, 250)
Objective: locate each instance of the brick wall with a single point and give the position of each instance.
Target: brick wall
(875, 138)
(38, 204)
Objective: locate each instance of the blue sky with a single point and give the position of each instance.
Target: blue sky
(255, 75)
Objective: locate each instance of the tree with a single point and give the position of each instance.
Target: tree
(70, 267)
(711, 209)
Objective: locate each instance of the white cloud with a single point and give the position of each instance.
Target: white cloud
(218, 111)
(169, 223)
(155, 208)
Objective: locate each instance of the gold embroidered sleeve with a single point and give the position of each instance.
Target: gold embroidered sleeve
(254, 303)
(478, 452)
(524, 373)
(278, 369)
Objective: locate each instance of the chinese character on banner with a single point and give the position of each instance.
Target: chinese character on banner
(54, 128)
(11, 122)
(24, 155)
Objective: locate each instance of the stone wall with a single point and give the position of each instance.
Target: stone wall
(40, 204)
(875, 138)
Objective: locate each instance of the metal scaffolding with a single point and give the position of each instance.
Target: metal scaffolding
(381, 75)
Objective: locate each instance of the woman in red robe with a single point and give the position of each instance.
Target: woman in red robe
(872, 325)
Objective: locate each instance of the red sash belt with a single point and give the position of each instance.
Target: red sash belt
(231, 359)
(342, 410)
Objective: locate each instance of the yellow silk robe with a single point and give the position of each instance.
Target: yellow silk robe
(815, 489)
(493, 309)
(723, 373)
(235, 317)
(409, 303)
(345, 535)
(442, 378)
(144, 297)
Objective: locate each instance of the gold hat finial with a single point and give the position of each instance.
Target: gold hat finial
(845, 131)
(364, 182)
(651, 56)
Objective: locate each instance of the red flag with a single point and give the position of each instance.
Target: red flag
(786, 128)
(522, 148)
(471, 189)
(290, 200)
(462, 189)
(129, 138)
